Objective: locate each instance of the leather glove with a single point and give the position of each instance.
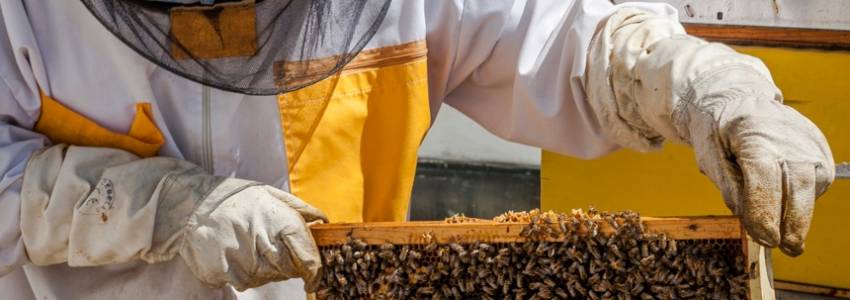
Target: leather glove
(96, 206)
(648, 81)
(769, 161)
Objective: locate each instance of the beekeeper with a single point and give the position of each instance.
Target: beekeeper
(170, 149)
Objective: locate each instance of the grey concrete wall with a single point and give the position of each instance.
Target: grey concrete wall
(466, 169)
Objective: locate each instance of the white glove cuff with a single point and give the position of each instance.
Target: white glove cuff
(95, 206)
(619, 117)
(644, 71)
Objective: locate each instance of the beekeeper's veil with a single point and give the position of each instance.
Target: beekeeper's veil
(260, 48)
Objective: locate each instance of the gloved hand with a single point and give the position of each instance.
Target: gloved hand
(769, 161)
(648, 81)
(247, 235)
(96, 206)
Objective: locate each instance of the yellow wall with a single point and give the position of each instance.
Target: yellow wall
(668, 183)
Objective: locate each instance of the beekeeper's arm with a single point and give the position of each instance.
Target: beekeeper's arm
(97, 206)
(649, 81)
(531, 73)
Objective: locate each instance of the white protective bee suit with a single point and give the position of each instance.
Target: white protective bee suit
(580, 77)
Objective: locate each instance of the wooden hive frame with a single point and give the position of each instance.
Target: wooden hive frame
(687, 228)
(677, 228)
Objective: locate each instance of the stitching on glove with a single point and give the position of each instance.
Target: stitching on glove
(680, 116)
(786, 184)
(192, 221)
(293, 204)
(167, 183)
(297, 263)
(236, 190)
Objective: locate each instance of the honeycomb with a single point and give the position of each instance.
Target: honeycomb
(563, 256)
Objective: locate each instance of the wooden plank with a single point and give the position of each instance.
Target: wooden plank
(772, 36)
(812, 289)
(679, 228)
(758, 264)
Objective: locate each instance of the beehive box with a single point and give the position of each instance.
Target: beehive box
(560, 256)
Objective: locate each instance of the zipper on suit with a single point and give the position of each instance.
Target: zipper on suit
(206, 131)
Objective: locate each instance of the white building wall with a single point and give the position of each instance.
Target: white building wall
(456, 137)
(813, 14)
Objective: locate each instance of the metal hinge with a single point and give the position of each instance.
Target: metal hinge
(842, 171)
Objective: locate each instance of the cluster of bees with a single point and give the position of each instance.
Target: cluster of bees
(563, 256)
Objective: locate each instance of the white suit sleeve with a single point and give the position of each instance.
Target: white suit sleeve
(19, 110)
(516, 68)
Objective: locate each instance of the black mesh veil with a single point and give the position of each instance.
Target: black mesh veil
(262, 48)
